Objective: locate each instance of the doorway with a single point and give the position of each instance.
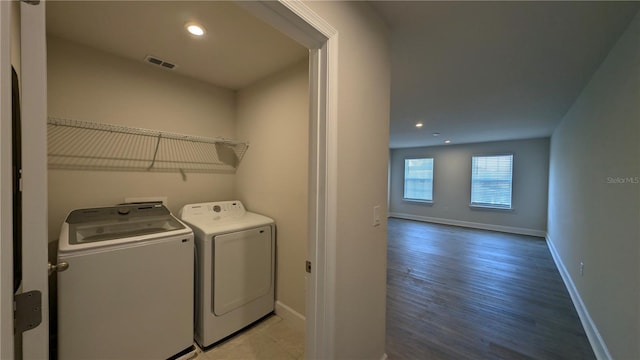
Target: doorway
(107, 75)
(314, 34)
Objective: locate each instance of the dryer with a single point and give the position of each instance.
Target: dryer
(235, 266)
(127, 290)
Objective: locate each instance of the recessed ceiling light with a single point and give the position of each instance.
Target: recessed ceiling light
(195, 29)
(419, 125)
(447, 141)
(436, 134)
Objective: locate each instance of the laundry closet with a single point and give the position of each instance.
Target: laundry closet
(261, 127)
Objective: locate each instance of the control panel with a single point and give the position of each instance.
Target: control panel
(219, 210)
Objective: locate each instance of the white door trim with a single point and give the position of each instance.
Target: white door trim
(34, 171)
(323, 181)
(6, 203)
(298, 21)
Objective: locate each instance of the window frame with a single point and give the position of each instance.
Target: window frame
(404, 173)
(490, 206)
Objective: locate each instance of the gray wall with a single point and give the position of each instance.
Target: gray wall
(594, 198)
(273, 176)
(452, 186)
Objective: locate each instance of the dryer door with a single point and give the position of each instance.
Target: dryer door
(243, 269)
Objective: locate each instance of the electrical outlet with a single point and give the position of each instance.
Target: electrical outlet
(581, 268)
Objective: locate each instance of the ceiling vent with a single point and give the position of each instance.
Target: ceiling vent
(159, 62)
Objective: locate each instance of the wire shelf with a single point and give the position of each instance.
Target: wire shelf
(82, 145)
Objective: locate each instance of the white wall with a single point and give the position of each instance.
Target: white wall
(452, 186)
(273, 116)
(363, 96)
(594, 197)
(90, 85)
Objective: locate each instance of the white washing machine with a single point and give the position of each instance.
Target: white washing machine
(127, 291)
(234, 267)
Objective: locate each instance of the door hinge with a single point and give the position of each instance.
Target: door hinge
(27, 311)
(308, 266)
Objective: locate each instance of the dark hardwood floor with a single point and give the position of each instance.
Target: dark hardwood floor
(458, 293)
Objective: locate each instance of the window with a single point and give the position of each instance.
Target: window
(418, 179)
(491, 181)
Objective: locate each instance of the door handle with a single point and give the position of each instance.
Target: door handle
(59, 267)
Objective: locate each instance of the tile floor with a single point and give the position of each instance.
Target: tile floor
(270, 338)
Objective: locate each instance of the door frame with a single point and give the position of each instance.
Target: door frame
(33, 99)
(293, 18)
(35, 272)
(6, 203)
(302, 24)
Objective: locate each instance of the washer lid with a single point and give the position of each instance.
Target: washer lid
(124, 221)
(117, 213)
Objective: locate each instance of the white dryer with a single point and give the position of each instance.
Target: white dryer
(235, 267)
(127, 291)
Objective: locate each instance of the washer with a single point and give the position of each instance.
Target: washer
(234, 267)
(128, 290)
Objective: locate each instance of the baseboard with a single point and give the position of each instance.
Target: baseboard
(597, 343)
(292, 317)
(468, 224)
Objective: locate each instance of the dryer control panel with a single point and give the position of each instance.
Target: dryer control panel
(216, 211)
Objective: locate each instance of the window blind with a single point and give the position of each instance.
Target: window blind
(418, 179)
(491, 181)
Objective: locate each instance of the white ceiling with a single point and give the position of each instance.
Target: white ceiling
(471, 71)
(486, 71)
(237, 49)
